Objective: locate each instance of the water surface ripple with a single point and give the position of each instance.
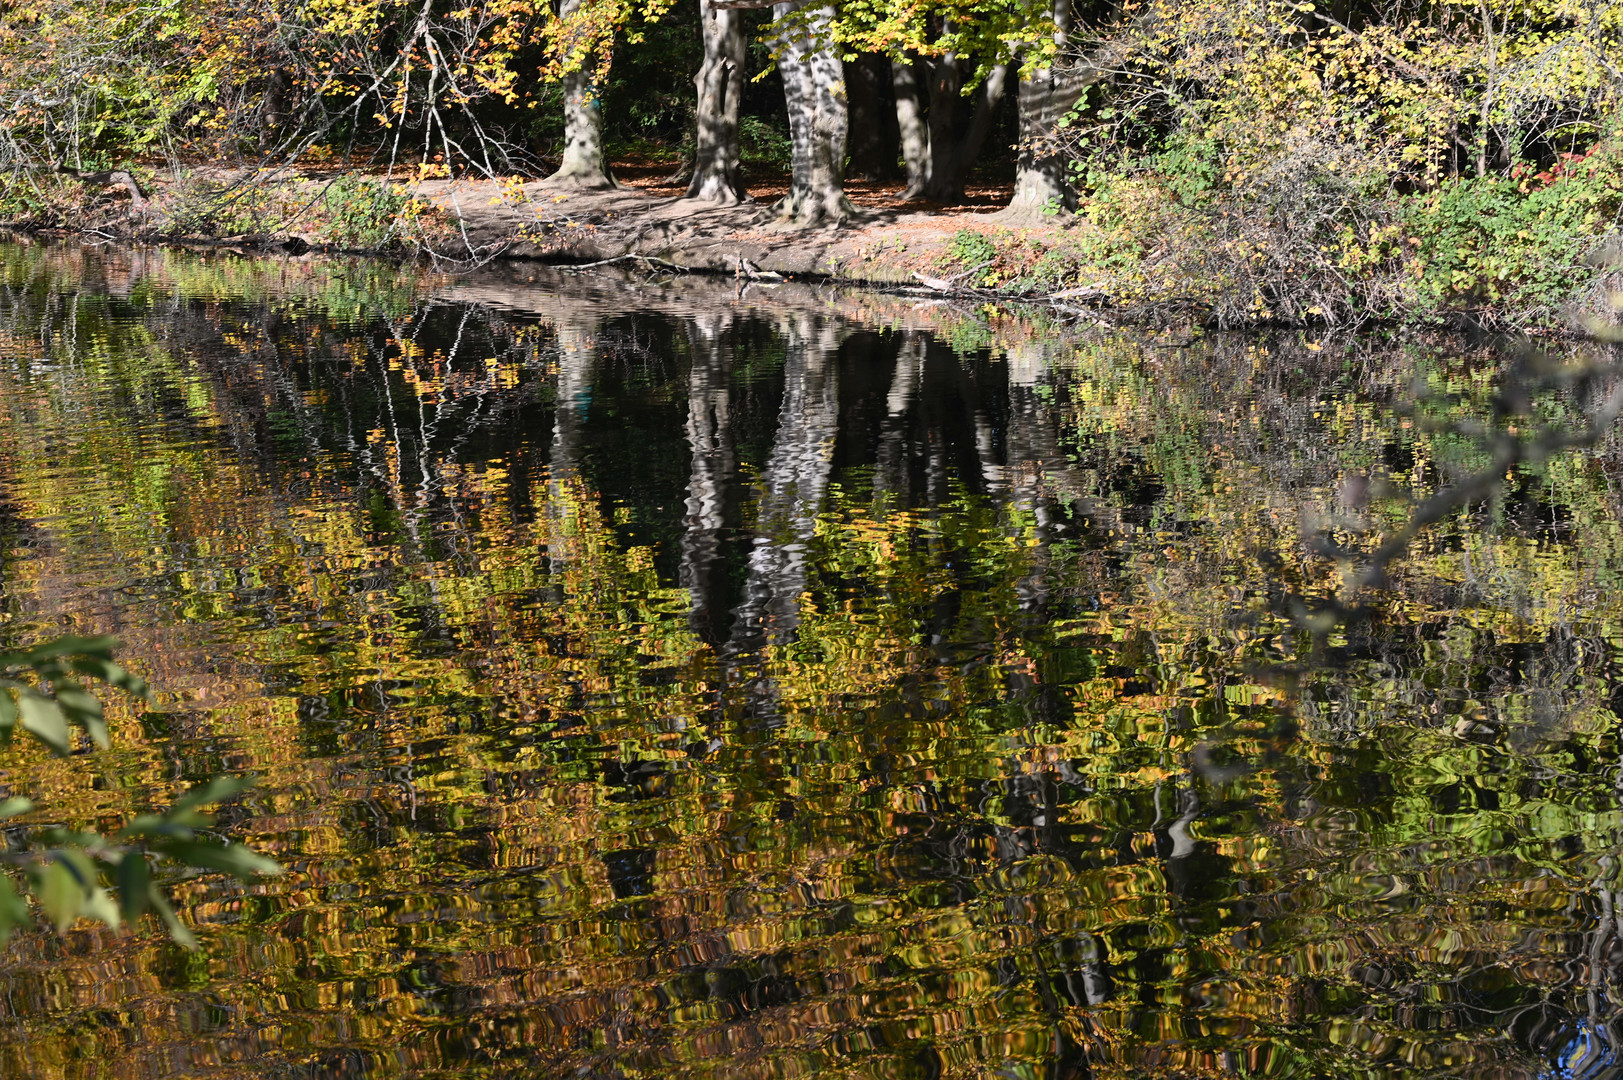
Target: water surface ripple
(646, 680)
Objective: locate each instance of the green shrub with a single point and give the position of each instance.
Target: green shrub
(362, 213)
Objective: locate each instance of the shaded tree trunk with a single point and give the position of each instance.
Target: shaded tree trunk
(951, 155)
(717, 173)
(814, 91)
(1039, 179)
(913, 132)
(873, 144)
(278, 99)
(946, 102)
(583, 165)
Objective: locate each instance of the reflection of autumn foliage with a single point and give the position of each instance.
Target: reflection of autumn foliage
(983, 807)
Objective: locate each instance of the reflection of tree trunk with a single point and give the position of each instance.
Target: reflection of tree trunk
(791, 489)
(583, 165)
(716, 170)
(710, 435)
(814, 91)
(891, 468)
(577, 356)
(1033, 444)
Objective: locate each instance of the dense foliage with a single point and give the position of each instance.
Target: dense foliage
(1263, 159)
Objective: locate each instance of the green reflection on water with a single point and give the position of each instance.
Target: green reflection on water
(649, 684)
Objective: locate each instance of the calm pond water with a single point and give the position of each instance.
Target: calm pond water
(648, 681)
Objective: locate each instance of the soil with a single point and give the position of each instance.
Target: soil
(648, 218)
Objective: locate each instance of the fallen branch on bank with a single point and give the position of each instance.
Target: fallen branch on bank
(631, 257)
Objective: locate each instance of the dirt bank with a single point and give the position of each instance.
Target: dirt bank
(888, 243)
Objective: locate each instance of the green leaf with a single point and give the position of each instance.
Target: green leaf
(60, 895)
(71, 646)
(15, 805)
(8, 714)
(83, 708)
(234, 859)
(99, 905)
(154, 825)
(13, 908)
(43, 717)
(113, 675)
(177, 929)
(216, 790)
(134, 885)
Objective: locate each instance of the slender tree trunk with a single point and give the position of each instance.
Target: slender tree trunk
(915, 135)
(583, 165)
(874, 138)
(814, 91)
(1039, 181)
(950, 162)
(717, 173)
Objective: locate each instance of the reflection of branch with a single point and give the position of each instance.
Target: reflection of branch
(1506, 450)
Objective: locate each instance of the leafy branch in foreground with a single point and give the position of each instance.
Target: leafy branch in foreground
(74, 874)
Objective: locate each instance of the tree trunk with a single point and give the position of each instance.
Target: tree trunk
(278, 99)
(952, 156)
(915, 136)
(814, 91)
(946, 102)
(583, 165)
(1039, 180)
(874, 138)
(717, 174)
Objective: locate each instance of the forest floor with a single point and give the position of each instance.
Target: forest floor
(330, 207)
(648, 218)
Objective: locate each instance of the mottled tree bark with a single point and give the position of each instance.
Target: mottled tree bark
(583, 165)
(914, 133)
(1039, 181)
(814, 91)
(717, 172)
